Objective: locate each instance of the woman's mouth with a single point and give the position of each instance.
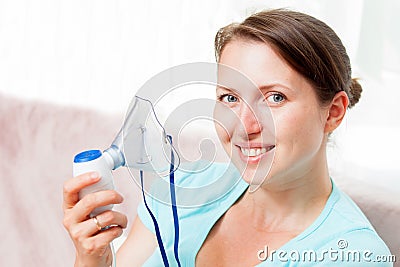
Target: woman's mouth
(253, 154)
(253, 151)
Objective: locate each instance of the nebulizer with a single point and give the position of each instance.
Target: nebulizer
(146, 144)
(142, 143)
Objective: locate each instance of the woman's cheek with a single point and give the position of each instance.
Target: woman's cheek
(285, 127)
(294, 132)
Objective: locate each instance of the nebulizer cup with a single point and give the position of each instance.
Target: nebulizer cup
(141, 144)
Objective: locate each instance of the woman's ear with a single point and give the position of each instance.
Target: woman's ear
(336, 111)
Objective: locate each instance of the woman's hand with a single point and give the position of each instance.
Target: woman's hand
(92, 245)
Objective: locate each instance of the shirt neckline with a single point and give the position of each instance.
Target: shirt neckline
(242, 187)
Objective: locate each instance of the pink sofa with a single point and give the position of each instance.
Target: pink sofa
(37, 144)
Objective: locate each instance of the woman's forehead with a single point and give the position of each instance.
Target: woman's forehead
(261, 66)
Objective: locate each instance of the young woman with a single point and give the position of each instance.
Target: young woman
(296, 216)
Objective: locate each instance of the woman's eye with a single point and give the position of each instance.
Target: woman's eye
(228, 98)
(275, 98)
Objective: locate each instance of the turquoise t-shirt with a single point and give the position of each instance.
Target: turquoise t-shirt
(340, 236)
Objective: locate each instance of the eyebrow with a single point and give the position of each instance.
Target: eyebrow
(272, 85)
(227, 88)
(261, 88)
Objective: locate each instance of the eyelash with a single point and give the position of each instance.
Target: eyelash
(275, 94)
(221, 97)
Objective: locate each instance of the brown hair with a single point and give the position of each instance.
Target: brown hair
(307, 44)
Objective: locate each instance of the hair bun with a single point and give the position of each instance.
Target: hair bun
(355, 92)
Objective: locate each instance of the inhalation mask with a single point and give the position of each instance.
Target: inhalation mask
(175, 127)
(142, 143)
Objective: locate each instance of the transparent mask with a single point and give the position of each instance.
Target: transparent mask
(142, 143)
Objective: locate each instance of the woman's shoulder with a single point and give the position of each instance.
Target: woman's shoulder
(346, 232)
(341, 235)
(356, 248)
(345, 213)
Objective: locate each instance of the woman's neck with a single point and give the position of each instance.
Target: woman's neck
(287, 204)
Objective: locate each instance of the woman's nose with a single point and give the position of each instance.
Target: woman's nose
(249, 123)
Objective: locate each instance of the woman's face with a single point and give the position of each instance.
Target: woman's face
(279, 135)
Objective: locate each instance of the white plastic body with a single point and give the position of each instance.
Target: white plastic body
(103, 165)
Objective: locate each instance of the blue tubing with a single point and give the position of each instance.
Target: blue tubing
(173, 204)
(156, 227)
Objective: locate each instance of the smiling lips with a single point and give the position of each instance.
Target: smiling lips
(254, 153)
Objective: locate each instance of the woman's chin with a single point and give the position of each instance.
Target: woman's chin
(255, 177)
